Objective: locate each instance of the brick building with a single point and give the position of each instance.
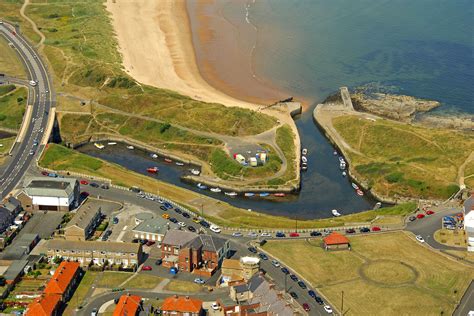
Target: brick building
(84, 222)
(182, 306)
(128, 305)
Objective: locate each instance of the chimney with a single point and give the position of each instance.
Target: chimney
(187, 297)
(176, 296)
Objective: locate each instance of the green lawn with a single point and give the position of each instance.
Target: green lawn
(82, 290)
(12, 106)
(6, 144)
(398, 274)
(111, 279)
(143, 281)
(183, 286)
(10, 63)
(405, 160)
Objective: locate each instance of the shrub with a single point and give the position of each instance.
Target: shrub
(394, 177)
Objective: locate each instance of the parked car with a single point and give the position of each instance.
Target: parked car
(44, 173)
(186, 215)
(364, 230)
(199, 281)
(147, 268)
(262, 271)
(84, 194)
(182, 224)
(94, 185)
(168, 205)
(177, 210)
(350, 231)
(163, 208)
(420, 239)
(294, 295)
(237, 234)
(302, 285)
(319, 300)
(215, 306)
(306, 307)
(420, 216)
(315, 234)
(312, 293)
(285, 270)
(280, 235)
(216, 229)
(376, 229)
(294, 277)
(94, 312)
(294, 234)
(158, 262)
(115, 220)
(165, 216)
(150, 243)
(204, 224)
(328, 309)
(52, 175)
(84, 182)
(275, 263)
(252, 234)
(104, 186)
(252, 249)
(196, 220)
(430, 212)
(411, 218)
(191, 229)
(263, 256)
(173, 220)
(266, 235)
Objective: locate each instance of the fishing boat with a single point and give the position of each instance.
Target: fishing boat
(195, 172)
(130, 147)
(304, 166)
(342, 165)
(154, 156)
(100, 146)
(249, 194)
(111, 143)
(359, 192)
(231, 193)
(355, 186)
(335, 213)
(377, 205)
(341, 159)
(178, 163)
(264, 194)
(279, 194)
(167, 160)
(344, 173)
(152, 170)
(304, 159)
(215, 190)
(304, 151)
(201, 186)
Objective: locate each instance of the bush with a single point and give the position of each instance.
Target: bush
(394, 177)
(19, 99)
(164, 127)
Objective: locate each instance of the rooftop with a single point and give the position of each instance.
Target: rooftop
(156, 225)
(84, 214)
(183, 304)
(231, 264)
(62, 277)
(44, 305)
(335, 239)
(127, 305)
(187, 239)
(15, 269)
(178, 238)
(40, 186)
(124, 247)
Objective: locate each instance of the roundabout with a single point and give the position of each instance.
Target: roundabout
(388, 273)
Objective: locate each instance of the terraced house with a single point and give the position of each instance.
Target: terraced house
(126, 255)
(84, 222)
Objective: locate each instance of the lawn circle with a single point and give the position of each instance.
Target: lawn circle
(388, 273)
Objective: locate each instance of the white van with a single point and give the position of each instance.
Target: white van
(216, 229)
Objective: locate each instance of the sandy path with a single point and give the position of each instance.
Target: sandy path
(157, 50)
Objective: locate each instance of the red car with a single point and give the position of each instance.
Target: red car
(420, 216)
(306, 307)
(430, 212)
(294, 234)
(150, 243)
(84, 182)
(147, 268)
(376, 229)
(85, 194)
(44, 173)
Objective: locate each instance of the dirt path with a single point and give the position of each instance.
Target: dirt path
(33, 24)
(462, 168)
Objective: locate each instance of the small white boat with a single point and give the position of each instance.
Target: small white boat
(360, 192)
(377, 205)
(341, 159)
(178, 163)
(304, 159)
(249, 194)
(304, 151)
(334, 153)
(264, 194)
(195, 172)
(342, 165)
(111, 143)
(100, 146)
(216, 190)
(344, 174)
(231, 193)
(335, 213)
(201, 186)
(304, 166)
(355, 186)
(154, 156)
(130, 147)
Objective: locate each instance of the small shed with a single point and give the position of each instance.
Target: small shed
(336, 241)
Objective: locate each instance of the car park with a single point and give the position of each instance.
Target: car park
(350, 231)
(191, 229)
(302, 285)
(294, 234)
(294, 295)
(147, 268)
(237, 234)
(280, 235)
(285, 270)
(252, 249)
(199, 281)
(328, 309)
(315, 234)
(275, 263)
(420, 238)
(364, 230)
(376, 229)
(294, 277)
(312, 293)
(263, 256)
(306, 307)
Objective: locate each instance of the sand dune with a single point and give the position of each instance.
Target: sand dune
(156, 44)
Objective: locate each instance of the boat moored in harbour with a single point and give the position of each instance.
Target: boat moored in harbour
(179, 163)
(280, 194)
(153, 170)
(335, 213)
(215, 190)
(154, 156)
(201, 186)
(355, 186)
(195, 172)
(111, 143)
(342, 165)
(167, 160)
(304, 159)
(231, 193)
(264, 194)
(359, 192)
(304, 151)
(249, 194)
(334, 153)
(130, 147)
(99, 146)
(344, 173)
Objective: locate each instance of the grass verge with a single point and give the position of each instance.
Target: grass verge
(182, 286)
(12, 107)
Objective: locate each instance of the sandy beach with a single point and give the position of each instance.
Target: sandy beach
(156, 45)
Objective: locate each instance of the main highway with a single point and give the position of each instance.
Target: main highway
(41, 97)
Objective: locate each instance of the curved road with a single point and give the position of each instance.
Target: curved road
(42, 100)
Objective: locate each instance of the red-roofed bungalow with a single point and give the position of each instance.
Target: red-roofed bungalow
(182, 305)
(336, 241)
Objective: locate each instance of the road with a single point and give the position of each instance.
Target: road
(24, 153)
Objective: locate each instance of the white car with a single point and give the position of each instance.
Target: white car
(216, 229)
(275, 263)
(237, 234)
(182, 224)
(215, 306)
(252, 234)
(328, 309)
(420, 239)
(266, 235)
(198, 281)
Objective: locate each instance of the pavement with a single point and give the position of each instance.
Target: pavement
(467, 302)
(25, 152)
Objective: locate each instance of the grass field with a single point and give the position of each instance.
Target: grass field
(142, 281)
(112, 279)
(405, 160)
(6, 144)
(469, 175)
(60, 158)
(456, 238)
(385, 274)
(81, 292)
(183, 286)
(12, 106)
(10, 63)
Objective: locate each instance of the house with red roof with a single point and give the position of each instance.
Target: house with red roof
(128, 305)
(64, 280)
(336, 241)
(182, 305)
(46, 305)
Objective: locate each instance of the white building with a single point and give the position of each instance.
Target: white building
(55, 194)
(469, 222)
(153, 229)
